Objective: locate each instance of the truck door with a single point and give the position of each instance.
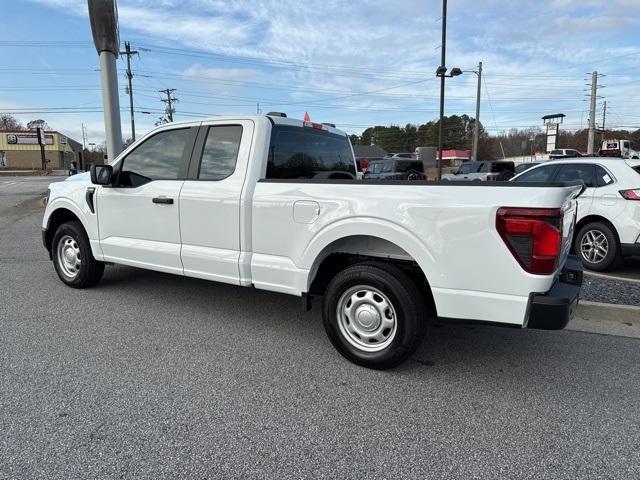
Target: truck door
(138, 220)
(210, 201)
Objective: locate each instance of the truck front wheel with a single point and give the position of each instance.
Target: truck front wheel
(374, 315)
(72, 257)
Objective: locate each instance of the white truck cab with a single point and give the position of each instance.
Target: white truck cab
(274, 203)
(619, 148)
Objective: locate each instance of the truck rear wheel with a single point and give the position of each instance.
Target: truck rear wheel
(72, 257)
(374, 315)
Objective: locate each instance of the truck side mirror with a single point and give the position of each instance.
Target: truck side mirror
(101, 174)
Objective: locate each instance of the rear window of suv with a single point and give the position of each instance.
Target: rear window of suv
(306, 153)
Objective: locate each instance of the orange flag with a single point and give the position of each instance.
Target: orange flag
(306, 117)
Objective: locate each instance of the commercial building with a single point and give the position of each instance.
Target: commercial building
(19, 149)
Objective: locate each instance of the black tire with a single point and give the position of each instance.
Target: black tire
(88, 271)
(406, 300)
(584, 239)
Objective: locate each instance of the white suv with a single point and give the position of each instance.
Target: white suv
(608, 227)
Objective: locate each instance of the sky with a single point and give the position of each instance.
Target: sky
(355, 64)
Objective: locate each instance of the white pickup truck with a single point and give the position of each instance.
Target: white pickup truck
(273, 203)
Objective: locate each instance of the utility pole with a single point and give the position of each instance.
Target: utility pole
(476, 126)
(604, 118)
(130, 53)
(83, 161)
(84, 137)
(592, 113)
(170, 100)
(443, 50)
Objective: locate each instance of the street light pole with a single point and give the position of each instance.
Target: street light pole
(476, 126)
(442, 66)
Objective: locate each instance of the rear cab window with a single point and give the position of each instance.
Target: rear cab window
(500, 167)
(406, 166)
(308, 153)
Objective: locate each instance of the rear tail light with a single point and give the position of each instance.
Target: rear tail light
(533, 236)
(631, 194)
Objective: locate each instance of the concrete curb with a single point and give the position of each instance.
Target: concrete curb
(607, 276)
(608, 311)
(606, 319)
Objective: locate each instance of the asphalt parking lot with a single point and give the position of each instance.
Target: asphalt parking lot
(155, 376)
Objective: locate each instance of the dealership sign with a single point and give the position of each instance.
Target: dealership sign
(27, 139)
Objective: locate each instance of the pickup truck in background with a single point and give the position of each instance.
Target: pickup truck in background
(483, 171)
(618, 148)
(272, 203)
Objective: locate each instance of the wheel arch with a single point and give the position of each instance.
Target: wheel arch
(354, 248)
(58, 216)
(594, 219)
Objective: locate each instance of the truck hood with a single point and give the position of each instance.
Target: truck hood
(80, 177)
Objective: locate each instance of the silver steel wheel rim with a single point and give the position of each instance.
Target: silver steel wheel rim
(594, 246)
(68, 256)
(366, 318)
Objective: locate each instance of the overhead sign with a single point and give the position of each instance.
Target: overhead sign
(552, 136)
(103, 15)
(27, 139)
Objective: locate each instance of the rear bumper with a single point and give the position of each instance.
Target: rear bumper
(554, 309)
(630, 248)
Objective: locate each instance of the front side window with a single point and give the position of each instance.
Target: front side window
(373, 167)
(220, 152)
(305, 152)
(540, 174)
(469, 167)
(387, 166)
(576, 172)
(157, 158)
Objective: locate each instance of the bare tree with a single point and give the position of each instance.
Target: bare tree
(9, 122)
(34, 124)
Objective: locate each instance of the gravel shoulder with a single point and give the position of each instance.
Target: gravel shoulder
(605, 290)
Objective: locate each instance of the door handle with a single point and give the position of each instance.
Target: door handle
(163, 200)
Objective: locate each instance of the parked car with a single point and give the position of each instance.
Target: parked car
(240, 200)
(564, 153)
(521, 167)
(395, 169)
(608, 225)
(486, 170)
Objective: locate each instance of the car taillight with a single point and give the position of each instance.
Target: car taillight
(633, 194)
(533, 236)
